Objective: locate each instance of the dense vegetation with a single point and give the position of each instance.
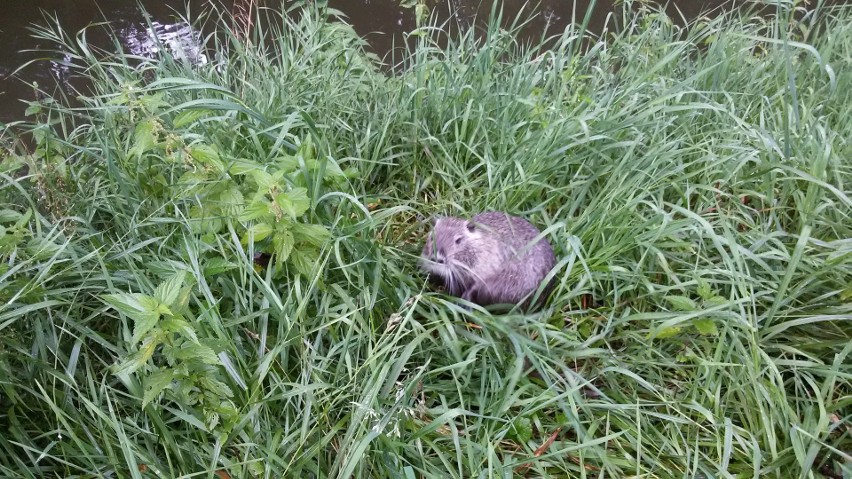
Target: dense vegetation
(211, 271)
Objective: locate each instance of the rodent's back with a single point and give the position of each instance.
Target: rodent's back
(494, 258)
(510, 230)
(525, 265)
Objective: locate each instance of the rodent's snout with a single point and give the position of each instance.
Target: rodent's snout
(434, 251)
(439, 256)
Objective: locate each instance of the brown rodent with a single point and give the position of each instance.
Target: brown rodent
(490, 259)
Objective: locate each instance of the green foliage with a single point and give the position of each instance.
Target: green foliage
(186, 367)
(212, 269)
(421, 10)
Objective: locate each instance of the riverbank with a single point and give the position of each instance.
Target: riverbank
(211, 268)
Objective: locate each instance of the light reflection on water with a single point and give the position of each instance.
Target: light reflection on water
(179, 39)
(61, 71)
(144, 39)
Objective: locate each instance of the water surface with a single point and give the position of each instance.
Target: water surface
(381, 22)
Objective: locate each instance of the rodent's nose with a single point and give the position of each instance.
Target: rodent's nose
(439, 257)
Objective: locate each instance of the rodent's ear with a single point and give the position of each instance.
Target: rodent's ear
(471, 226)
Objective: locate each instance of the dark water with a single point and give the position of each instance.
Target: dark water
(381, 22)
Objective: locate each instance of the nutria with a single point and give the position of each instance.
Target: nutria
(490, 259)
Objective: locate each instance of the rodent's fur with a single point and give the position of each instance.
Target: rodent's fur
(490, 259)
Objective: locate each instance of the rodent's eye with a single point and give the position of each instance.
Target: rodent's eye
(458, 240)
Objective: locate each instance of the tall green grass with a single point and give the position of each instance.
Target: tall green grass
(695, 185)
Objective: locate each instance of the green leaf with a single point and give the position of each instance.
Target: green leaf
(351, 172)
(211, 419)
(681, 303)
(705, 326)
(141, 308)
(182, 302)
(120, 99)
(154, 384)
(214, 266)
(287, 164)
(216, 387)
(139, 358)
(186, 392)
(333, 170)
(243, 166)
(144, 138)
(704, 290)
(421, 13)
(228, 411)
(190, 183)
(306, 149)
(330, 168)
(25, 218)
(264, 180)
(304, 260)
(294, 202)
(256, 210)
(283, 244)
(167, 292)
(188, 116)
(179, 325)
(153, 102)
(686, 356)
(231, 201)
(204, 221)
(207, 155)
(715, 300)
(42, 248)
(846, 294)
(9, 216)
(260, 231)
(217, 345)
(521, 429)
(309, 233)
(164, 310)
(668, 332)
(196, 351)
(33, 109)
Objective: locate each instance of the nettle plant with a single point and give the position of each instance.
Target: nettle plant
(214, 196)
(266, 202)
(170, 356)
